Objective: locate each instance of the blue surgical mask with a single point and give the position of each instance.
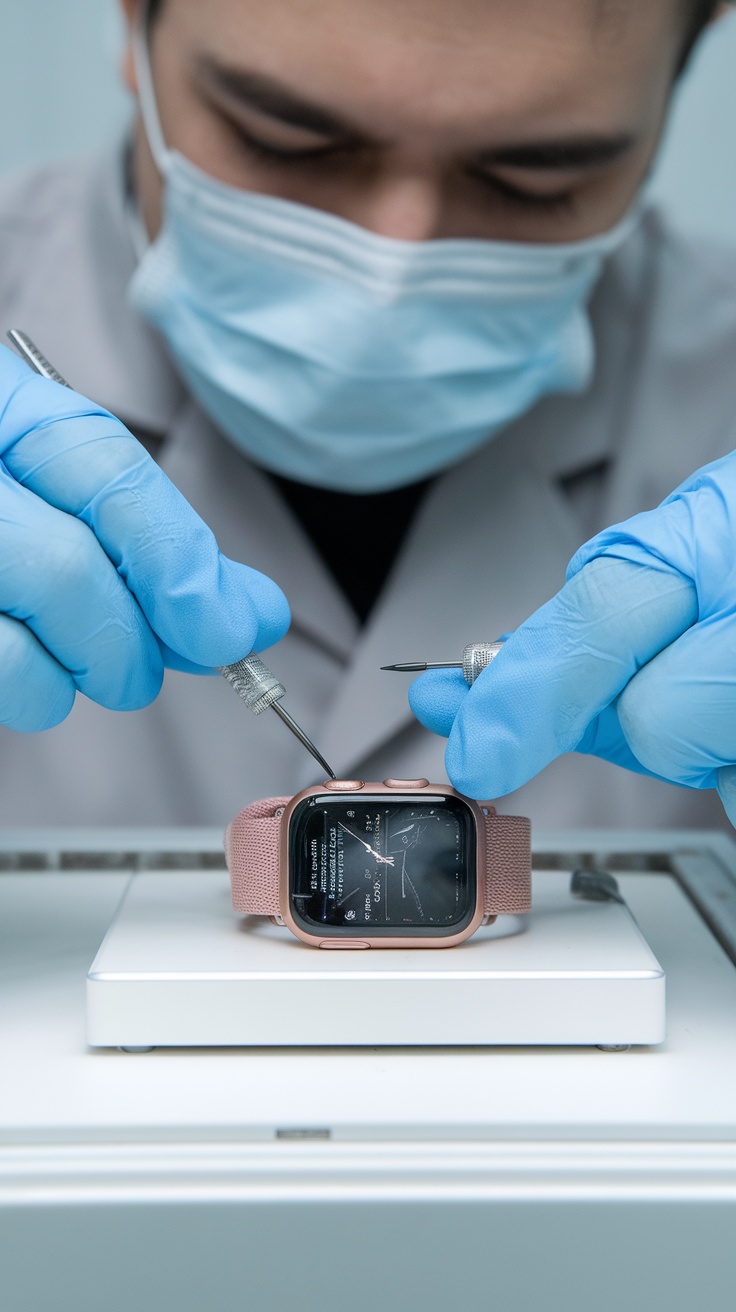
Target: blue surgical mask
(348, 360)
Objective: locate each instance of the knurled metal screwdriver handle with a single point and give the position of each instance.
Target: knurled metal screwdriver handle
(476, 656)
(254, 682)
(34, 357)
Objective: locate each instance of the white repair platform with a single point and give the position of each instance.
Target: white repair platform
(179, 969)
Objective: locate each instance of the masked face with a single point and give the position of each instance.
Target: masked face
(341, 356)
(512, 120)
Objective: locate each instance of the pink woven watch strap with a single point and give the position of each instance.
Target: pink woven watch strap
(508, 864)
(252, 845)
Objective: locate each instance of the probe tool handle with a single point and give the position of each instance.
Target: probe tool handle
(254, 683)
(476, 656)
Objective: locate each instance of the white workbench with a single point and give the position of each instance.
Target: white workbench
(467, 1179)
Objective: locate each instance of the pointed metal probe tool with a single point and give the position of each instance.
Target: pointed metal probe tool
(418, 667)
(476, 656)
(260, 689)
(251, 679)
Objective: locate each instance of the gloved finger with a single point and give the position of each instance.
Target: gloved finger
(561, 668)
(35, 692)
(691, 532)
(605, 738)
(77, 457)
(56, 579)
(436, 697)
(726, 785)
(679, 713)
(173, 661)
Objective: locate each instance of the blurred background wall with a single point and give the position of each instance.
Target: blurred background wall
(60, 94)
(59, 87)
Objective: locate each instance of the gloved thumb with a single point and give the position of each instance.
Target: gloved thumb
(436, 697)
(561, 668)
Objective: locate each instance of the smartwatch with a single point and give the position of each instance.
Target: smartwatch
(403, 863)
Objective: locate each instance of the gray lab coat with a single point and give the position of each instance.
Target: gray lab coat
(489, 545)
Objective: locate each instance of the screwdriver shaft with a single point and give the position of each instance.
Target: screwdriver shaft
(283, 714)
(418, 667)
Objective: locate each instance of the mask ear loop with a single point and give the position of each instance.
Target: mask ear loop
(146, 94)
(151, 126)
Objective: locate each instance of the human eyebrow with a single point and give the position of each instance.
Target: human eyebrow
(271, 97)
(560, 156)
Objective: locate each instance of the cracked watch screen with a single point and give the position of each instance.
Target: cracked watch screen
(371, 865)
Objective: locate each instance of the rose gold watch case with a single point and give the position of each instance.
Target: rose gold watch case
(405, 787)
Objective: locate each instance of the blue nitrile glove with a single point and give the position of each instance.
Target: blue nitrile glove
(106, 572)
(634, 660)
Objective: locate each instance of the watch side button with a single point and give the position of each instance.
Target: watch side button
(342, 945)
(344, 785)
(406, 783)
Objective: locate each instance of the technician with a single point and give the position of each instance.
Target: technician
(376, 289)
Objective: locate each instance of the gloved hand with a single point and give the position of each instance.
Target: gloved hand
(106, 572)
(634, 660)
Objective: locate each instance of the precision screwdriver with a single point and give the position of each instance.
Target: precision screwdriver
(476, 656)
(250, 677)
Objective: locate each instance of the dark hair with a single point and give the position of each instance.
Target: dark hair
(699, 13)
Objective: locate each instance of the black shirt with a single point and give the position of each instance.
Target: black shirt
(358, 537)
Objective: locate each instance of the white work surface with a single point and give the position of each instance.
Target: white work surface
(178, 968)
(176, 1179)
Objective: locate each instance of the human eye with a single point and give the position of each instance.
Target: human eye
(547, 202)
(284, 154)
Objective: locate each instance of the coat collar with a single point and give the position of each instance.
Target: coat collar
(253, 524)
(505, 554)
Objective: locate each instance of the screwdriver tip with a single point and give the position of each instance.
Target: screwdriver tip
(407, 667)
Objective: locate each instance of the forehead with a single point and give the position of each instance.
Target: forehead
(450, 63)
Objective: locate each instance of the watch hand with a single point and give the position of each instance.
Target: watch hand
(352, 835)
(384, 860)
